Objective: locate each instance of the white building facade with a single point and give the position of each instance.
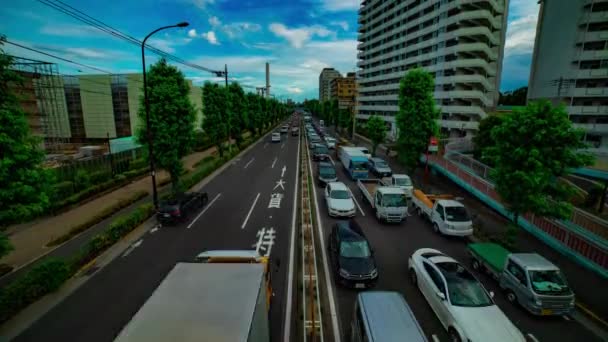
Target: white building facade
(325, 78)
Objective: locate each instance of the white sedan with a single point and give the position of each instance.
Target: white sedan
(464, 307)
(339, 200)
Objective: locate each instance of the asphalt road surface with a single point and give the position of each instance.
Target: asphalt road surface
(240, 215)
(394, 243)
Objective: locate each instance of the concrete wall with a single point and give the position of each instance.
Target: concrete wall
(135, 83)
(97, 109)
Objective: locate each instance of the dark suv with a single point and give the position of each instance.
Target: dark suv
(326, 173)
(177, 209)
(320, 152)
(352, 256)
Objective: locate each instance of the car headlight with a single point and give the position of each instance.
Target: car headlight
(374, 273)
(343, 273)
(538, 302)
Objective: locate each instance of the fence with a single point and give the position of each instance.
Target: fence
(114, 163)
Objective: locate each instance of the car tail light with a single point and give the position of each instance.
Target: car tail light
(176, 212)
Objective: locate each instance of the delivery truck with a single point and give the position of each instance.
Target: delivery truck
(354, 162)
(446, 214)
(389, 203)
(526, 278)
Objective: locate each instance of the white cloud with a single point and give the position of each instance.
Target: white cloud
(341, 5)
(214, 21)
(192, 33)
(294, 90)
(520, 35)
(162, 44)
(237, 29)
(71, 30)
(202, 4)
(211, 38)
(297, 37)
(343, 24)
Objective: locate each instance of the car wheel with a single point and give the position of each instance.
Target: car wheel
(454, 336)
(511, 297)
(436, 228)
(413, 277)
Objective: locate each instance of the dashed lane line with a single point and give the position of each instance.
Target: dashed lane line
(204, 210)
(250, 211)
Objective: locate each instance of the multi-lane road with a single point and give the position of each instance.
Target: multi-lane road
(250, 206)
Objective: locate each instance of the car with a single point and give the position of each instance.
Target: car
(326, 173)
(276, 137)
(284, 129)
(352, 256)
(379, 167)
(320, 152)
(339, 200)
(178, 208)
(295, 131)
(314, 141)
(464, 307)
(331, 142)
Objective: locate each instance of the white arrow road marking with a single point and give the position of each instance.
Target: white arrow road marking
(204, 210)
(249, 162)
(283, 171)
(250, 210)
(273, 162)
(280, 183)
(132, 247)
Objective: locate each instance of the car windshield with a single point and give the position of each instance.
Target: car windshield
(381, 164)
(354, 249)
(327, 172)
(321, 150)
(463, 288)
(548, 282)
(359, 166)
(457, 214)
(394, 200)
(403, 181)
(340, 194)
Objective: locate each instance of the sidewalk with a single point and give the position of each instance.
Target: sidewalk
(30, 239)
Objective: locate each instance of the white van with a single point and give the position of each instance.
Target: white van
(276, 137)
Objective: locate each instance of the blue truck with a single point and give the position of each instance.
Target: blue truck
(354, 162)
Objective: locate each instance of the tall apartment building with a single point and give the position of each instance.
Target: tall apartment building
(327, 74)
(570, 63)
(460, 42)
(344, 89)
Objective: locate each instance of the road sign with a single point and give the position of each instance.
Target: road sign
(433, 144)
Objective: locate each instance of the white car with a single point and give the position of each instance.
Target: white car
(276, 137)
(339, 200)
(331, 142)
(464, 307)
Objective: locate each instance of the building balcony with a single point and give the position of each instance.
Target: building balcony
(592, 36)
(454, 124)
(467, 110)
(379, 108)
(597, 128)
(592, 73)
(593, 18)
(465, 94)
(390, 97)
(587, 110)
(592, 55)
(590, 92)
(466, 79)
(387, 118)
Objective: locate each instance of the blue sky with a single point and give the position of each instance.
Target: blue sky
(297, 37)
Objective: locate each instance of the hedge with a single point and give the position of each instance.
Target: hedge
(138, 163)
(39, 281)
(63, 189)
(100, 176)
(102, 215)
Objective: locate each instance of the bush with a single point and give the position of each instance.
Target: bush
(63, 190)
(41, 280)
(102, 215)
(100, 176)
(136, 173)
(204, 160)
(137, 164)
(121, 178)
(593, 196)
(82, 180)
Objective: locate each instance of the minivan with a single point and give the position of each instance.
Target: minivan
(384, 316)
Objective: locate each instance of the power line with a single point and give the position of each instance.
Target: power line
(83, 17)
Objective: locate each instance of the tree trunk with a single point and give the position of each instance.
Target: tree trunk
(374, 147)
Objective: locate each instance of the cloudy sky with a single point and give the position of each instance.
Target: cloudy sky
(297, 37)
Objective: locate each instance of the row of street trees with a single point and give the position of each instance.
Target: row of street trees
(330, 112)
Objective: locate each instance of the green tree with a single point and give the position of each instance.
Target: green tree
(254, 117)
(238, 113)
(416, 117)
(346, 119)
(172, 118)
(24, 183)
(534, 146)
(515, 97)
(334, 113)
(483, 139)
(5, 245)
(215, 124)
(376, 131)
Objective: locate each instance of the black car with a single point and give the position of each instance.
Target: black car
(352, 256)
(177, 209)
(320, 152)
(326, 173)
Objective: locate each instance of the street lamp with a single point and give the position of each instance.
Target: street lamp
(147, 107)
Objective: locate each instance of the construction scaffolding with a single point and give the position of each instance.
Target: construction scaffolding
(42, 97)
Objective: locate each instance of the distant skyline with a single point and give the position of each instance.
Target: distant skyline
(298, 37)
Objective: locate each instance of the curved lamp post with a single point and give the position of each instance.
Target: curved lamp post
(147, 107)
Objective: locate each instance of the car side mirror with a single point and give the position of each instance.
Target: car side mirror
(441, 295)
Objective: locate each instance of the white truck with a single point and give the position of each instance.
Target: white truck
(402, 181)
(448, 216)
(389, 203)
(204, 302)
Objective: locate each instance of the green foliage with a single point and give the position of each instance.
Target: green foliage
(172, 117)
(534, 147)
(82, 180)
(483, 139)
(515, 97)
(63, 190)
(416, 118)
(214, 113)
(376, 131)
(24, 184)
(41, 280)
(5, 245)
(100, 176)
(593, 196)
(137, 164)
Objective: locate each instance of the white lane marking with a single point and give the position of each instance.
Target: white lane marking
(566, 317)
(132, 247)
(273, 162)
(332, 161)
(153, 230)
(357, 203)
(435, 338)
(249, 162)
(204, 210)
(283, 145)
(250, 211)
(287, 329)
(328, 281)
(283, 171)
(532, 337)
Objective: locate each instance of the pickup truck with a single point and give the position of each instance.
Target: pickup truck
(447, 215)
(389, 203)
(402, 181)
(527, 278)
